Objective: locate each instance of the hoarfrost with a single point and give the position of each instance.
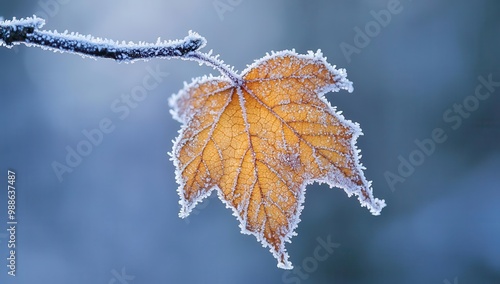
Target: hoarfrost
(26, 31)
(290, 158)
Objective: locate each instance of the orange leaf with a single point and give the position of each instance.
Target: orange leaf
(261, 139)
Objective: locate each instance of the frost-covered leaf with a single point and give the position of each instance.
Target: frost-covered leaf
(260, 139)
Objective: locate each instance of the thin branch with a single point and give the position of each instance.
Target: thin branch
(27, 31)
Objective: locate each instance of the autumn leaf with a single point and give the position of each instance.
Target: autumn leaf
(260, 138)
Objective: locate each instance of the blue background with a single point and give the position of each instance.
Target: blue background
(118, 208)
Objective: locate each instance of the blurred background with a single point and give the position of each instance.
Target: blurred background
(113, 219)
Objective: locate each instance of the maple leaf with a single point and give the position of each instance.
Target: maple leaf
(258, 139)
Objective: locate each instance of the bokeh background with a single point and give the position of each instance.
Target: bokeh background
(113, 219)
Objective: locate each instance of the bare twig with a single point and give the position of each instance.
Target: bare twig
(27, 31)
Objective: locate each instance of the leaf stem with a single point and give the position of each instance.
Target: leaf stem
(217, 64)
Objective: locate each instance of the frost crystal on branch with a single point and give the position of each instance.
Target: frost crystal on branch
(26, 31)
